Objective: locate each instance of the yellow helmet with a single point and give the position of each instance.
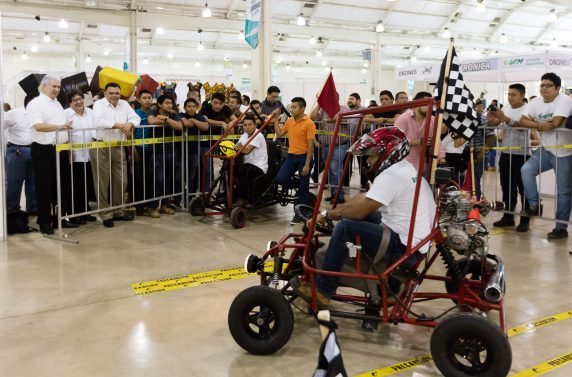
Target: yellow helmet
(227, 148)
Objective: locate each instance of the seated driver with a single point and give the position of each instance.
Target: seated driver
(391, 194)
(255, 161)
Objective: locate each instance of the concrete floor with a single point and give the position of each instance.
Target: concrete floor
(70, 310)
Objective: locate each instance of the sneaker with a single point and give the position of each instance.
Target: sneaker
(152, 212)
(296, 220)
(532, 210)
(108, 223)
(522, 226)
(127, 216)
(557, 234)
(304, 291)
(329, 198)
(167, 210)
(504, 221)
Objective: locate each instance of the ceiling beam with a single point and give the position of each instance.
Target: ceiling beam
(507, 16)
(548, 31)
(232, 8)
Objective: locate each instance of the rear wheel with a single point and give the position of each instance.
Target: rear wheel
(238, 217)
(467, 344)
(260, 320)
(197, 206)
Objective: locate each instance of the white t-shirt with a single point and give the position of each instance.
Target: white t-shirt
(259, 155)
(515, 138)
(17, 127)
(394, 188)
(80, 122)
(542, 111)
(448, 145)
(43, 109)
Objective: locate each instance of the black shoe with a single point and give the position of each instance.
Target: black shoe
(127, 216)
(78, 221)
(296, 220)
(46, 229)
(557, 234)
(329, 198)
(340, 201)
(522, 226)
(108, 223)
(89, 218)
(69, 224)
(533, 210)
(504, 221)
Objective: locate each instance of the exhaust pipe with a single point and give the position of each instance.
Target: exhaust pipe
(494, 291)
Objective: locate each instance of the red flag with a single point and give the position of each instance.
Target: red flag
(328, 98)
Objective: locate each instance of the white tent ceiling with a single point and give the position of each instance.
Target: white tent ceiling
(413, 28)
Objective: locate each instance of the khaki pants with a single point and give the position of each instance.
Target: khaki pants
(109, 166)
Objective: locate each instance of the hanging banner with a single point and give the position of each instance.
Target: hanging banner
(252, 23)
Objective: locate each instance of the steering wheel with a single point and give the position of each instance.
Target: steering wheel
(305, 212)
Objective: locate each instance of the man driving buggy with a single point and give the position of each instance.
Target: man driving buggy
(388, 203)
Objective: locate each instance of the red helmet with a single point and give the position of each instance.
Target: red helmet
(390, 142)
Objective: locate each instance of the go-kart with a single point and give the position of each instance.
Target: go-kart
(465, 342)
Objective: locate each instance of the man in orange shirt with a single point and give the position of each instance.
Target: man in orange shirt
(301, 132)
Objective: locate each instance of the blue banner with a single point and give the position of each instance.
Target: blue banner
(252, 23)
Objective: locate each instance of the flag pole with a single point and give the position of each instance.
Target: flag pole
(437, 142)
(472, 162)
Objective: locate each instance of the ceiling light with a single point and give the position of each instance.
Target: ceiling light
(88, 59)
(446, 33)
(379, 28)
(312, 41)
(481, 6)
(197, 63)
(145, 61)
(159, 31)
(319, 53)
(241, 36)
(414, 59)
(278, 61)
(63, 24)
(207, 12)
(553, 43)
(91, 3)
(503, 38)
(170, 55)
(24, 56)
(363, 70)
(327, 69)
(47, 38)
(365, 64)
(200, 46)
(34, 49)
(159, 8)
(288, 67)
(106, 53)
(324, 63)
(244, 66)
(226, 59)
(552, 16)
(301, 21)
(427, 49)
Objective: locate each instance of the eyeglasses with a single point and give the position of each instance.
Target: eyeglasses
(545, 86)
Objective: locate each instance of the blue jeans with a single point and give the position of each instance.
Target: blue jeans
(371, 233)
(541, 161)
(19, 169)
(478, 176)
(195, 166)
(164, 172)
(293, 163)
(336, 166)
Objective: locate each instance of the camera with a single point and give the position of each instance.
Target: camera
(492, 108)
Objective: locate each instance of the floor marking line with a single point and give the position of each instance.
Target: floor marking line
(546, 366)
(426, 359)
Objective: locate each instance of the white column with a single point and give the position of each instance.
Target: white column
(376, 68)
(133, 42)
(261, 67)
(2, 153)
(79, 58)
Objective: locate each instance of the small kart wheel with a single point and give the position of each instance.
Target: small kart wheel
(468, 344)
(238, 217)
(197, 206)
(260, 320)
(271, 244)
(472, 272)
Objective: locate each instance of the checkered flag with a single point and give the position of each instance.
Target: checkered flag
(330, 362)
(459, 113)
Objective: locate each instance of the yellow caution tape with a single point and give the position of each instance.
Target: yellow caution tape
(194, 280)
(546, 366)
(426, 359)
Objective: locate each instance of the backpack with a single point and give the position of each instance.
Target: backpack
(18, 222)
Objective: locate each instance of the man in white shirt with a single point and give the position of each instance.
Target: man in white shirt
(19, 167)
(389, 203)
(82, 122)
(255, 161)
(48, 126)
(115, 120)
(512, 160)
(546, 114)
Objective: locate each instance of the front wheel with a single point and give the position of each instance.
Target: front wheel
(260, 320)
(238, 217)
(197, 206)
(467, 344)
